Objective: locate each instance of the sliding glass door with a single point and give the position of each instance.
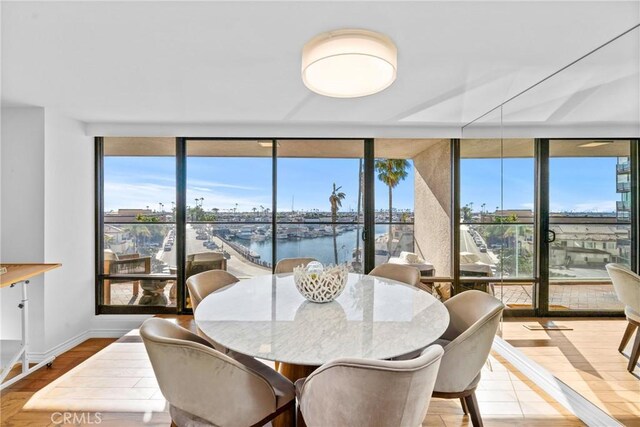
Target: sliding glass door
(228, 206)
(320, 194)
(590, 198)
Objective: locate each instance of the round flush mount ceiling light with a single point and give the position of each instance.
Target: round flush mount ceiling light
(349, 63)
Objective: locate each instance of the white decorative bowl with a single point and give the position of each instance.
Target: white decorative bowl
(321, 287)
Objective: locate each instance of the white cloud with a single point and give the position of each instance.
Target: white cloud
(586, 206)
(124, 195)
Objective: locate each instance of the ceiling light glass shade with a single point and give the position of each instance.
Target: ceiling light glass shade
(349, 63)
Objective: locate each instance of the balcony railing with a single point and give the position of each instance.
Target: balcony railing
(623, 205)
(623, 167)
(623, 187)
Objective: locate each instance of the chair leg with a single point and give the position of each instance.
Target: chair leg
(627, 336)
(474, 410)
(635, 353)
(464, 406)
(299, 420)
(293, 411)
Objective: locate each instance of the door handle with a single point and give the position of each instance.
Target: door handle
(364, 235)
(551, 236)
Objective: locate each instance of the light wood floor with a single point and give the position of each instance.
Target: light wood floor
(586, 358)
(505, 397)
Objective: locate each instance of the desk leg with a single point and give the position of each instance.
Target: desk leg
(24, 345)
(293, 373)
(25, 328)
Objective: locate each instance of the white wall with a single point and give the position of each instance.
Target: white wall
(22, 213)
(68, 228)
(47, 215)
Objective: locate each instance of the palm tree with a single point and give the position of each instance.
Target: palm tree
(391, 172)
(138, 231)
(335, 199)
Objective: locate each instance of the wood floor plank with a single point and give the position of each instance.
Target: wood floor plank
(506, 397)
(586, 358)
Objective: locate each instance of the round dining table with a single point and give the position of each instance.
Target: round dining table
(373, 318)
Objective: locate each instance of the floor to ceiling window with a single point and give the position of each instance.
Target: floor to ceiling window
(228, 206)
(169, 208)
(136, 264)
(320, 207)
(412, 180)
(589, 216)
(394, 195)
(497, 247)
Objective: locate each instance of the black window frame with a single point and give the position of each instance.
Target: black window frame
(541, 224)
(181, 220)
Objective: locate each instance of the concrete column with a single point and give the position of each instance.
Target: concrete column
(432, 204)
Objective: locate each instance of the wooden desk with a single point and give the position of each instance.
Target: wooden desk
(14, 350)
(20, 272)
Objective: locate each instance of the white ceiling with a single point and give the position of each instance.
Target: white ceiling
(238, 63)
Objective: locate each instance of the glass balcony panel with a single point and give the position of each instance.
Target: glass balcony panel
(317, 241)
(148, 291)
(241, 249)
(579, 279)
(141, 248)
(497, 250)
(402, 240)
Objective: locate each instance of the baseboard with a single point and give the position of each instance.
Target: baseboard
(570, 399)
(37, 357)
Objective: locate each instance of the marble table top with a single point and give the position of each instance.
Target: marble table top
(373, 318)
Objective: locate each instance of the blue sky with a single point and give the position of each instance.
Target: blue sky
(586, 184)
(577, 184)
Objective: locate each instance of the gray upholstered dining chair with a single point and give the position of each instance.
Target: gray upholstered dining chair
(401, 273)
(207, 388)
(286, 265)
(364, 392)
(627, 286)
(202, 284)
(474, 320)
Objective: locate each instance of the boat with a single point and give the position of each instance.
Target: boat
(258, 237)
(245, 233)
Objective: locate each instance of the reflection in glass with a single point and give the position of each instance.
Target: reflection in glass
(589, 204)
(497, 200)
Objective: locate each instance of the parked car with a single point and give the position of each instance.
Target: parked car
(483, 248)
(167, 247)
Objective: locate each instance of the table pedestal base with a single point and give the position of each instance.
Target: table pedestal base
(293, 373)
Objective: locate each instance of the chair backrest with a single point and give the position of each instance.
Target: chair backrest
(202, 284)
(474, 317)
(627, 285)
(401, 273)
(202, 381)
(286, 265)
(204, 261)
(364, 392)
